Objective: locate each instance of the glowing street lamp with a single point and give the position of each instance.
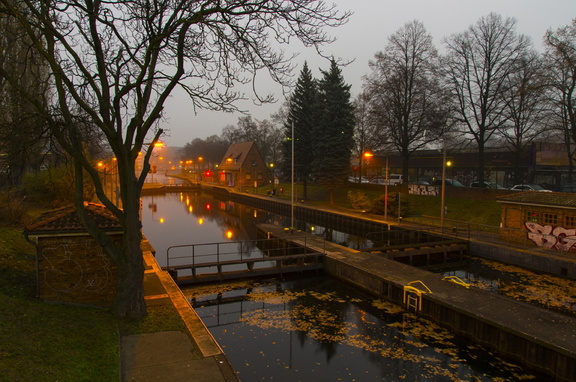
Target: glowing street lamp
(443, 192)
(367, 155)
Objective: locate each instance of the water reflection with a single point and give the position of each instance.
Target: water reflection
(197, 217)
(309, 329)
(319, 329)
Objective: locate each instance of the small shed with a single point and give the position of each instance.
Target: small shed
(71, 267)
(548, 219)
(243, 166)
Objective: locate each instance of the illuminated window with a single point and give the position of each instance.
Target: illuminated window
(532, 216)
(248, 176)
(551, 219)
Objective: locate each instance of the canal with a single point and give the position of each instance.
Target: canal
(309, 327)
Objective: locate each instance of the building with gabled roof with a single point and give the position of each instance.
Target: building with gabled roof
(71, 266)
(243, 166)
(546, 219)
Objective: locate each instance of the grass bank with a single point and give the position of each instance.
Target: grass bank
(56, 342)
(486, 212)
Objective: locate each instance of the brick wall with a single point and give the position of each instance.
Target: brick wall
(75, 269)
(544, 226)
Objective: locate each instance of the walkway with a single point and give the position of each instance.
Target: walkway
(174, 356)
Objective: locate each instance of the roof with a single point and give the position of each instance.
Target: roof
(237, 152)
(553, 199)
(65, 220)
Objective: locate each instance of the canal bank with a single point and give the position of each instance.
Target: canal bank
(395, 289)
(538, 338)
(155, 357)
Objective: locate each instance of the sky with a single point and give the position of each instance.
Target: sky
(365, 34)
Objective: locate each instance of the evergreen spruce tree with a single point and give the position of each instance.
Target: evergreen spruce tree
(334, 133)
(303, 114)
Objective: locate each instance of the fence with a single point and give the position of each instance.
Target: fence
(517, 238)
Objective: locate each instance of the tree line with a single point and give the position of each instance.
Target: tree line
(490, 87)
(79, 75)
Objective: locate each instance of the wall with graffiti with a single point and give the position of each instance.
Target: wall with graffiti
(551, 237)
(75, 269)
(421, 189)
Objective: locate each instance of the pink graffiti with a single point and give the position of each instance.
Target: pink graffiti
(548, 237)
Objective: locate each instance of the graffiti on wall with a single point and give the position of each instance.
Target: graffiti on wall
(550, 237)
(68, 267)
(420, 189)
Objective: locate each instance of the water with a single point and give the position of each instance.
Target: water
(312, 328)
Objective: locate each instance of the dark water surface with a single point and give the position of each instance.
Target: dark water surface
(319, 329)
(313, 328)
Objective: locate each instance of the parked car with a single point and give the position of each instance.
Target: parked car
(487, 185)
(529, 187)
(448, 182)
(420, 182)
(568, 188)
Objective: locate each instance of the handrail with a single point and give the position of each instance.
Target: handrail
(519, 238)
(261, 249)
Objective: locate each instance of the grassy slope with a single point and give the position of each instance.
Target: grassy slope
(473, 211)
(48, 342)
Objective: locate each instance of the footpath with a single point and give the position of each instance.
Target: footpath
(172, 356)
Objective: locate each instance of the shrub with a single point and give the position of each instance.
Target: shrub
(392, 199)
(54, 187)
(13, 208)
(358, 200)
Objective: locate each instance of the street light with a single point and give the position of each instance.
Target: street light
(367, 156)
(443, 192)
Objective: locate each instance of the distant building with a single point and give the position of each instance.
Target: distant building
(544, 163)
(243, 166)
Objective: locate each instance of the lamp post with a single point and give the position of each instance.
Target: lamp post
(443, 189)
(386, 193)
(367, 155)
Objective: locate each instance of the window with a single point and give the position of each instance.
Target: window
(260, 176)
(570, 221)
(532, 216)
(248, 176)
(551, 219)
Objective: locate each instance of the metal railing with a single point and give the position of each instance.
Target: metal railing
(246, 250)
(517, 238)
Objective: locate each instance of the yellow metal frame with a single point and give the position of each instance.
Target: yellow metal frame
(413, 295)
(456, 280)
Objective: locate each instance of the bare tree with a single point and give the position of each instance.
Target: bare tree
(560, 60)
(366, 133)
(212, 149)
(408, 99)
(118, 61)
(23, 136)
(477, 67)
(525, 107)
(264, 133)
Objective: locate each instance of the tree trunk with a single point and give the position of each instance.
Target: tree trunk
(481, 162)
(129, 302)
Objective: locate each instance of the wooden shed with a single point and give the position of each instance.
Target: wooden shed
(71, 266)
(547, 219)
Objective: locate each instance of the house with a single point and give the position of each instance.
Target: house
(243, 166)
(547, 219)
(71, 266)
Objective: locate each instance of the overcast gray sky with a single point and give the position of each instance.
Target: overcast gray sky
(365, 34)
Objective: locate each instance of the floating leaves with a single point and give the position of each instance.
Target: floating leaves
(545, 290)
(328, 318)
